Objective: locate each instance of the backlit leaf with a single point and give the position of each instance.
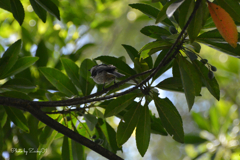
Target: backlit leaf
(224, 24)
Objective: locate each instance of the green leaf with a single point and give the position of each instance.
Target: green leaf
(19, 84)
(231, 7)
(185, 10)
(190, 79)
(214, 118)
(171, 84)
(66, 149)
(132, 52)
(198, 21)
(86, 82)
(59, 80)
(21, 64)
(193, 139)
(77, 150)
(17, 10)
(119, 104)
(157, 126)
(156, 44)
(16, 94)
(155, 32)
(223, 47)
(128, 123)
(165, 67)
(72, 71)
(91, 121)
(46, 137)
(162, 14)
(141, 66)
(1, 139)
(143, 131)
(49, 6)
(153, 47)
(170, 117)
(17, 117)
(9, 58)
(146, 9)
(39, 10)
(121, 66)
(192, 56)
(110, 135)
(5, 5)
(42, 53)
(173, 7)
(3, 118)
(201, 122)
(211, 84)
(213, 36)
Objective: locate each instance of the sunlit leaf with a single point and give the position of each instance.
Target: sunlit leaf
(224, 24)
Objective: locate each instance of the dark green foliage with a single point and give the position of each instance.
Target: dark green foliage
(43, 66)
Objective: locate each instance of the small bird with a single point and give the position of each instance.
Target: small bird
(102, 74)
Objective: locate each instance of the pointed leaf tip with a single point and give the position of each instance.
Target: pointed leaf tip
(224, 24)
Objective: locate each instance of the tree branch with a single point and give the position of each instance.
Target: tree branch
(41, 116)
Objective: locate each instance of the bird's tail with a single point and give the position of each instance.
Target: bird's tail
(118, 75)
